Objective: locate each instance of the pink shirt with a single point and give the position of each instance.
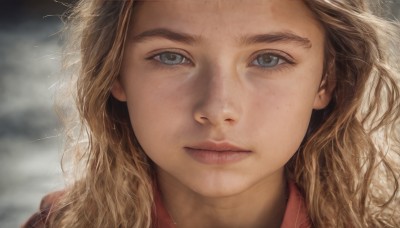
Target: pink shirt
(295, 213)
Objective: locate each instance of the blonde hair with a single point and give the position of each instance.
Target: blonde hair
(347, 167)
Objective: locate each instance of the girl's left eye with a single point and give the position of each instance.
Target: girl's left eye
(171, 58)
(268, 60)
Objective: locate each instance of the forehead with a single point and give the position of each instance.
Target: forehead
(226, 18)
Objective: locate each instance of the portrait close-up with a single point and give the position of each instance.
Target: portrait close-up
(200, 113)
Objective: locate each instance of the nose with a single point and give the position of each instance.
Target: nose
(219, 101)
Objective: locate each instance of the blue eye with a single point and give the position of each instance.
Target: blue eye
(268, 60)
(171, 58)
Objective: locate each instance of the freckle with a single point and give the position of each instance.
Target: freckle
(271, 9)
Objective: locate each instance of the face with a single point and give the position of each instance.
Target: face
(220, 93)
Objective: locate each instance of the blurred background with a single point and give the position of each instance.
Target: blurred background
(30, 148)
(30, 145)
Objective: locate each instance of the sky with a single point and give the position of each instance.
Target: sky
(30, 145)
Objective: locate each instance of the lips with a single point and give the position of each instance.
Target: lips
(217, 153)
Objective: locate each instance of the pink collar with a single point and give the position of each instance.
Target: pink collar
(295, 215)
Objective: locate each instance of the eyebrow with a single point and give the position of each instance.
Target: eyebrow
(275, 37)
(167, 34)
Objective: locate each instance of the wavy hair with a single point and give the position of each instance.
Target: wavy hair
(347, 167)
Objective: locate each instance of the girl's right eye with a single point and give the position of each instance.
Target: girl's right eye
(170, 58)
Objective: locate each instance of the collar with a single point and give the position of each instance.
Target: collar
(295, 216)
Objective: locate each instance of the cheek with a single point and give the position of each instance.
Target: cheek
(280, 117)
(156, 110)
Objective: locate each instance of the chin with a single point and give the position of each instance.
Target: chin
(220, 187)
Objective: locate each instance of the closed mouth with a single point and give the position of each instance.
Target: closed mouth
(217, 153)
(217, 147)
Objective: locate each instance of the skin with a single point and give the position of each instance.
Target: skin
(222, 91)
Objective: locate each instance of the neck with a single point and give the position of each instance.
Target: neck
(262, 205)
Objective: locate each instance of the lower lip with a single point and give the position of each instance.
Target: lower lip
(217, 157)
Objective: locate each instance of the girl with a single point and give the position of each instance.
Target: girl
(226, 113)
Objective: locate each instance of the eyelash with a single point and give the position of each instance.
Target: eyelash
(284, 60)
(156, 59)
(280, 56)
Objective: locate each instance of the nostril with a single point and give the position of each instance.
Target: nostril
(202, 119)
(216, 115)
(229, 120)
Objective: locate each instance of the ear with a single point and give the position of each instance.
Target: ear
(117, 91)
(325, 91)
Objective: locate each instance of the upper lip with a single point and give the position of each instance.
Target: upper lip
(217, 146)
